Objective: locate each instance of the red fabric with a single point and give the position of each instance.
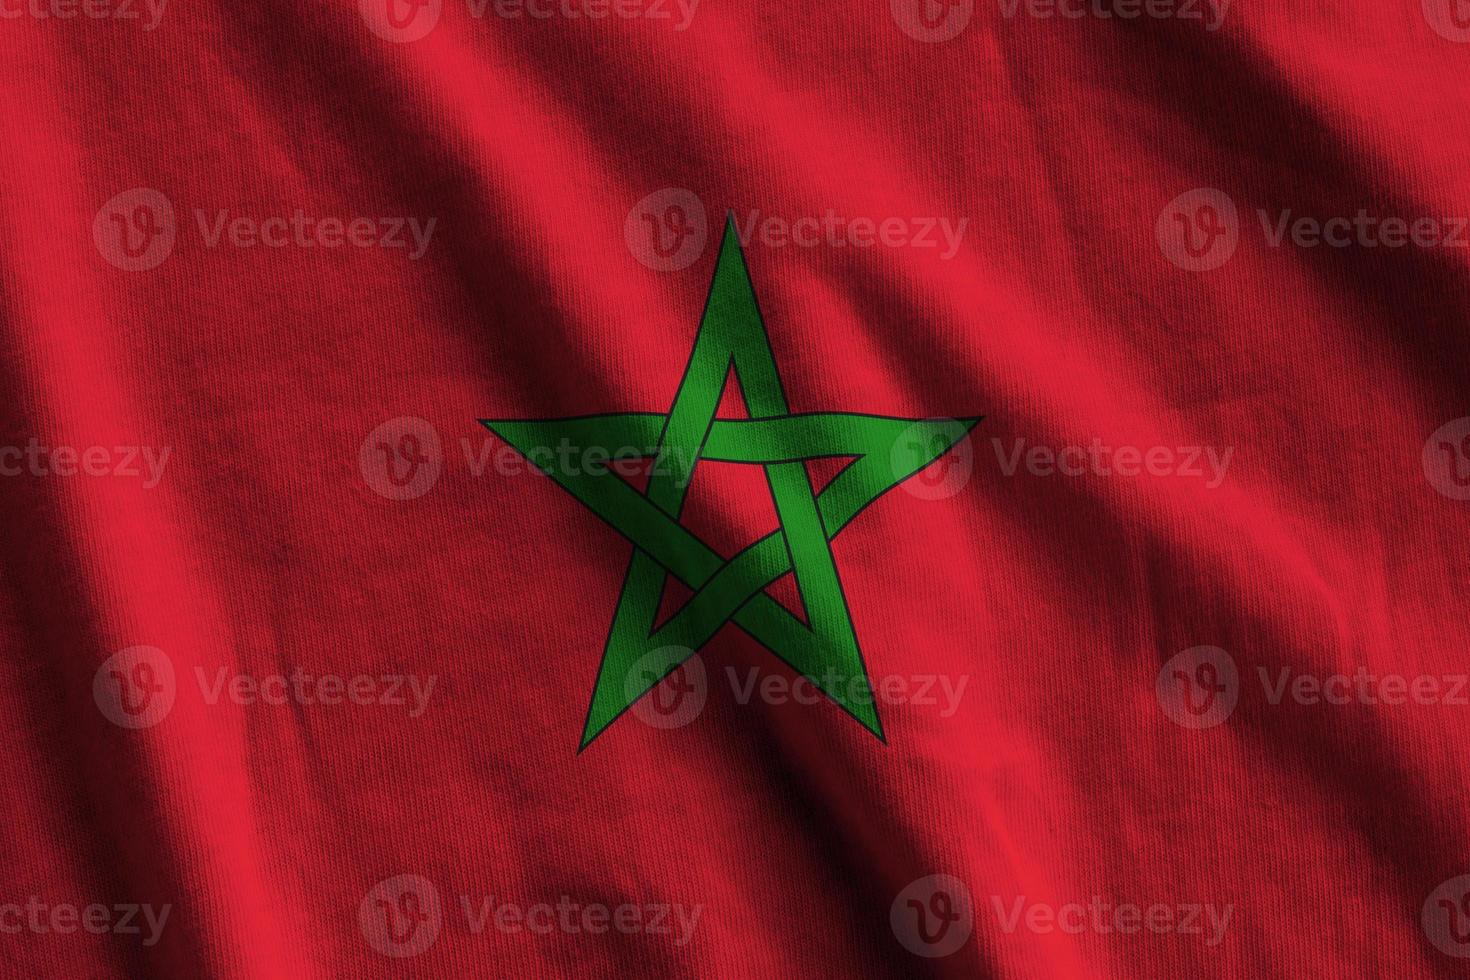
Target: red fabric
(272, 543)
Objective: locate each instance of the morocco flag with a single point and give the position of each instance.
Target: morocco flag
(686, 488)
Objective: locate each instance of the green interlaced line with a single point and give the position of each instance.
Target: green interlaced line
(885, 451)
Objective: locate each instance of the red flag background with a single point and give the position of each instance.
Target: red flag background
(1170, 654)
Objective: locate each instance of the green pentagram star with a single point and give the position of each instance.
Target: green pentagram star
(575, 452)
